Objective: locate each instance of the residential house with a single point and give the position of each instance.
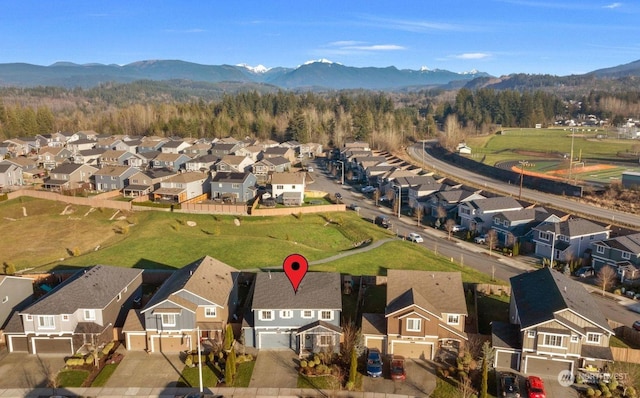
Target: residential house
(447, 201)
(265, 167)
(197, 150)
(112, 157)
(171, 161)
(87, 135)
(33, 144)
(306, 320)
(406, 182)
(80, 312)
(201, 297)
(420, 195)
(29, 166)
(183, 187)
(567, 240)
(144, 182)
(278, 151)
(151, 144)
(516, 225)
(393, 173)
(425, 311)
(234, 163)
(111, 178)
(175, 146)
(554, 325)
(128, 145)
(251, 151)
(89, 156)
(16, 147)
(310, 149)
(51, 157)
(234, 186)
(288, 188)
(201, 163)
(10, 175)
(108, 143)
(268, 144)
(293, 144)
(477, 214)
(69, 176)
(66, 137)
(16, 293)
(621, 251)
(82, 144)
(221, 149)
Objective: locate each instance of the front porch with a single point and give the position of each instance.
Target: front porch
(318, 336)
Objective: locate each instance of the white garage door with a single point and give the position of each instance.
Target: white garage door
(546, 367)
(275, 341)
(412, 349)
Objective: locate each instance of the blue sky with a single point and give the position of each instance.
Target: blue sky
(496, 36)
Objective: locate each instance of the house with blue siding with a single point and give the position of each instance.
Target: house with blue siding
(111, 178)
(201, 298)
(239, 187)
(305, 321)
(619, 252)
(567, 240)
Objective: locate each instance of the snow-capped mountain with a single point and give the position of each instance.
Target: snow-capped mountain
(255, 69)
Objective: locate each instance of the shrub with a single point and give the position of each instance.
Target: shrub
(188, 361)
(590, 392)
(107, 349)
(613, 385)
(598, 393)
(303, 364)
(350, 386)
(630, 392)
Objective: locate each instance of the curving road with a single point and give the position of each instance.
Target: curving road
(573, 206)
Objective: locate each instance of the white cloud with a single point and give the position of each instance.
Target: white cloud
(413, 25)
(613, 5)
(472, 56)
(352, 46)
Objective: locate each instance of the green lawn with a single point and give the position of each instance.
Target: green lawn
(191, 377)
(491, 308)
(318, 382)
(375, 299)
(104, 375)
(243, 377)
(72, 377)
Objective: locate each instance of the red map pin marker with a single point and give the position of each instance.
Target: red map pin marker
(295, 267)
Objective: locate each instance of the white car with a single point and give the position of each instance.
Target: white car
(482, 239)
(368, 189)
(414, 237)
(458, 228)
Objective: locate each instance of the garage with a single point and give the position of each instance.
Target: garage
(17, 343)
(45, 345)
(170, 343)
(546, 366)
(378, 342)
(136, 342)
(412, 349)
(507, 360)
(274, 340)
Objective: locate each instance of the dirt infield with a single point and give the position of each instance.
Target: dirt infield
(583, 169)
(517, 169)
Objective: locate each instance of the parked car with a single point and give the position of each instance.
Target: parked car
(414, 237)
(310, 169)
(509, 385)
(584, 272)
(383, 221)
(374, 363)
(458, 228)
(535, 387)
(354, 207)
(482, 239)
(636, 325)
(368, 189)
(397, 368)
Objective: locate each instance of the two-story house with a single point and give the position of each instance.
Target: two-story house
(477, 214)
(182, 187)
(447, 201)
(10, 174)
(81, 311)
(221, 149)
(197, 150)
(265, 167)
(568, 239)
(69, 176)
(144, 182)
(202, 163)
(304, 321)
(200, 297)
(288, 188)
(234, 163)
(621, 251)
(425, 311)
(554, 325)
(278, 151)
(238, 187)
(82, 144)
(513, 226)
(51, 157)
(16, 293)
(111, 178)
(251, 151)
(151, 144)
(171, 161)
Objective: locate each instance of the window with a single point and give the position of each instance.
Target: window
(46, 322)
(626, 255)
(279, 186)
(545, 236)
(553, 340)
(210, 312)
(325, 341)
(326, 315)
(89, 315)
(235, 185)
(453, 319)
(414, 324)
(307, 314)
(575, 338)
(600, 249)
(496, 221)
(168, 319)
(286, 314)
(531, 334)
(506, 223)
(293, 187)
(29, 317)
(65, 317)
(593, 338)
(265, 315)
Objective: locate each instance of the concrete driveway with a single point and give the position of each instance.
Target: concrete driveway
(18, 370)
(275, 369)
(420, 382)
(140, 369)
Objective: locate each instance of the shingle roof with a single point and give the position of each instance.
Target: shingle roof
(374, 324)
(540, 294)
(287, 178)
(505, 335)
(627, 243)
(93, 287)
(230, 177)
(572, 227)
(207, 277)
(112, 170)
(318, 290)
(437, 292)
(497, 203)
(67, 168)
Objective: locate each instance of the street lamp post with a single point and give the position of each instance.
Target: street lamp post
(342, 171)
(553, 247)
(521, 177)
(199, 360)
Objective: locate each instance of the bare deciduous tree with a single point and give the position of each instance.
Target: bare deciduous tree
(448, 225)
(606, 277)
(491, 237)
(418, 211)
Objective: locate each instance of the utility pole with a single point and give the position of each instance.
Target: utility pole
(573, 134)
(521, 177)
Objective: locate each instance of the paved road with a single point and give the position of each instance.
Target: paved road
(632, 220)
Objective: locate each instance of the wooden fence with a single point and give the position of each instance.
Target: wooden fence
(285, 211)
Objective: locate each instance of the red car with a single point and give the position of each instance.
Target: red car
(397, 368)
(535, 387)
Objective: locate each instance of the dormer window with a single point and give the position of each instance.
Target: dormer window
(593, 338)
(414, 324)
(210, 312)
(453, 319)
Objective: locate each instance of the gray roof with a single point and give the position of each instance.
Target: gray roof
(92, 287)
(572, 227)
(540, 294)
(230, 177)
(374, 324)
(627, 243)
(505, 335)
(4, 167)
(68, 168)
(318, 290)
(436, 292)
(521, 215)
(207, 277)
(497, 203)
(454, 195)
